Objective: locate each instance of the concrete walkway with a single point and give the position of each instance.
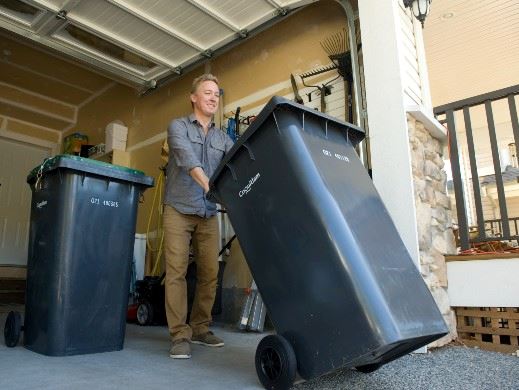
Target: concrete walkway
(144, 364)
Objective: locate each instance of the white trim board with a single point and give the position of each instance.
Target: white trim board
(430, 123)
(492, 283)
(38, 95)
(53, 147)
(96, 94)
(53, 79)
(11, 119)
(36, 110)
(150, 141)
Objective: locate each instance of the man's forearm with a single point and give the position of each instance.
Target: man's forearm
(200, 177)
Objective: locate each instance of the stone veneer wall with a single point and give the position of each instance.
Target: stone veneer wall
(433, 213)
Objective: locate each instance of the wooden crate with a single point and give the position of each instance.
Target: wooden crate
(490, 328)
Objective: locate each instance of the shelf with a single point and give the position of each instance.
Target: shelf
(116, 157)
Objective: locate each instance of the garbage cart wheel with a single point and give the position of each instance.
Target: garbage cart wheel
(366, 369)
(12, 329)
(276, 363)
(144, 313)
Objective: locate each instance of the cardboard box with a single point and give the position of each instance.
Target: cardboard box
(115, 137)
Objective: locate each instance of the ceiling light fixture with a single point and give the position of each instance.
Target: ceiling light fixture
(447, 15)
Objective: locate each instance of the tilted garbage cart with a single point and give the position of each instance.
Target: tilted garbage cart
(339, 285)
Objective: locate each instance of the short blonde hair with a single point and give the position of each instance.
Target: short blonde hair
(200, 79)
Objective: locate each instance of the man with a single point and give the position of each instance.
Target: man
(196, 147)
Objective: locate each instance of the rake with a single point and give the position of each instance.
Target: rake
(337, 46)
(324, 89)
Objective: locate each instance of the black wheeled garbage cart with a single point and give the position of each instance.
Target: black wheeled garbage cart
(339, 285)
(82, 229)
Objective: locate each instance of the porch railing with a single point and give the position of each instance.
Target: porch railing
(446, 113)
(494, 229)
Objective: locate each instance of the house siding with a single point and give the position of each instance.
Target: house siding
(410, 68)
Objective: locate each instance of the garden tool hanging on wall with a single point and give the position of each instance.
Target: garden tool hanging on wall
(297, 96)
(324, 89)
(339, 51)
(337, 46)
(233, 125)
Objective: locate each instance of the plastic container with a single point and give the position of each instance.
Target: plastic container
(116, 135)
(72, 143)
(336, 278)
(139, 255)
(81, 244)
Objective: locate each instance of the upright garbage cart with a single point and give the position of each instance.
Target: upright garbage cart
(81, 240)
(337, 280)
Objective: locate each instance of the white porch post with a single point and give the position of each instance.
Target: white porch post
(390, 150)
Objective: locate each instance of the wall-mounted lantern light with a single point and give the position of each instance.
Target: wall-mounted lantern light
(420, 8)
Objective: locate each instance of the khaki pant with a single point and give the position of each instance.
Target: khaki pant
(179, 229)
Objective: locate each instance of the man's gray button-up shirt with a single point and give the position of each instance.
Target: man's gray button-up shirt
(190, 147)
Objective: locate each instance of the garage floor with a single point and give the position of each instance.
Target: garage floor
(144, 364)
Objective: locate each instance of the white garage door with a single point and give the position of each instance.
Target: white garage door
(16, 160)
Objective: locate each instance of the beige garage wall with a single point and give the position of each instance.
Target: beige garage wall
(28, 129)
(249, 74)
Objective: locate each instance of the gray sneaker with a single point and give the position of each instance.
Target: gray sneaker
(180, 349)
(208, 339)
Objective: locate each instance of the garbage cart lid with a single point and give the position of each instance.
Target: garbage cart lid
(91, 166)
(355, 133)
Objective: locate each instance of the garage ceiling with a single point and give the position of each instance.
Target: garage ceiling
(141, 41)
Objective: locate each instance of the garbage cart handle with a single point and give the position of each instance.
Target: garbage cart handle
(233, 173)
(247, 146)
(231, 168)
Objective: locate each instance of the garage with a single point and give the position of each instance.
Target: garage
(65, 63)
(56, 85)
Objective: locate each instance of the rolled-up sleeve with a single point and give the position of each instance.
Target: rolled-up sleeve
(180, 146)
